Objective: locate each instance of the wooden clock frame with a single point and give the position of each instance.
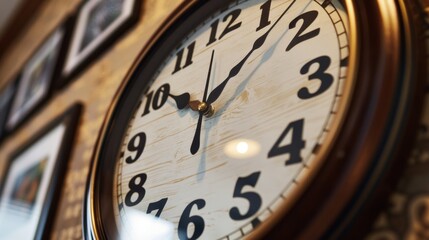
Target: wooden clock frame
(379, 132)
(361, 164)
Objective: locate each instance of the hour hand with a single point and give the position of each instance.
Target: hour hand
(182, 100)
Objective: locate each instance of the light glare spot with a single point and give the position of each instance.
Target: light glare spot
(242, 148)
(154, 228)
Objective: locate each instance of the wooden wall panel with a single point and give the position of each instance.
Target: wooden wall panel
(95, 88)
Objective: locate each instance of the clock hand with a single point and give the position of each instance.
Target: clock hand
(202, 108)
(214, 95)
(181, 100)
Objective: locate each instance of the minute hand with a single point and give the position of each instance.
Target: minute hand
(214, 95)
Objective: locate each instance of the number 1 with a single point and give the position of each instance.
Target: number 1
(265, 15)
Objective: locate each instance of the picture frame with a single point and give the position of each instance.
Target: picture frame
(39, 75)
(6, 96)
(33, 179)
(99, 23)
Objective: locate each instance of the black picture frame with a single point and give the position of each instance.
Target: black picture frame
(7, 94)
(99, 39)
(39, 76)
(33, 179)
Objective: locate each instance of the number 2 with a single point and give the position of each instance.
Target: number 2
(308, 18)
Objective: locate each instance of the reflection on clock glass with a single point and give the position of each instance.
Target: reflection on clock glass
(233, 121)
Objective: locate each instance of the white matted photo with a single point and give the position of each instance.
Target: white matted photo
(99, 23)
(31, 183)
(36, 79)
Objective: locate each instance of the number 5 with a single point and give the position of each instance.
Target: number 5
(255, 201)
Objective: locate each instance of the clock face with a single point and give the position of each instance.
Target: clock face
(233, 119)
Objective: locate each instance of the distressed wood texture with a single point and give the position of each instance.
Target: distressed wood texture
(95, 88)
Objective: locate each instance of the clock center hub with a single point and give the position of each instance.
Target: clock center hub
(202, 107)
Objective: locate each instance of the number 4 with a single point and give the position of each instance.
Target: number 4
(295, 146)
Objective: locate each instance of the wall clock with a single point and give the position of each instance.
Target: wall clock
(265, 119)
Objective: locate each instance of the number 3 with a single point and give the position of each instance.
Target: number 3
(326, 79)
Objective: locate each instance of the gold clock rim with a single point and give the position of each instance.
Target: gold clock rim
(405, 94)
(389, 45)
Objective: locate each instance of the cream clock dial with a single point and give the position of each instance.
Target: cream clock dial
(234, 119)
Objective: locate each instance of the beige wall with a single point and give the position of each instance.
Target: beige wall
(95, 88)
(7, 9)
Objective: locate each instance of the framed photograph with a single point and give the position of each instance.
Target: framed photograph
(99, 23)
(38, 76)
(33, 179)
(6, 97)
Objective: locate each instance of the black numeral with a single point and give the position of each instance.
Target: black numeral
(186, 219)
(136, 189)
(295, 146)
(255, 200)
(157, 101)
(233, 15)
(326, 79)
(189, 56)
(136, 144)
(308, 18)
(159, 206)
(265, 15)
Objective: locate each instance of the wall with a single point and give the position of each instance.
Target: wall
(7, 10)
(95, 88)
